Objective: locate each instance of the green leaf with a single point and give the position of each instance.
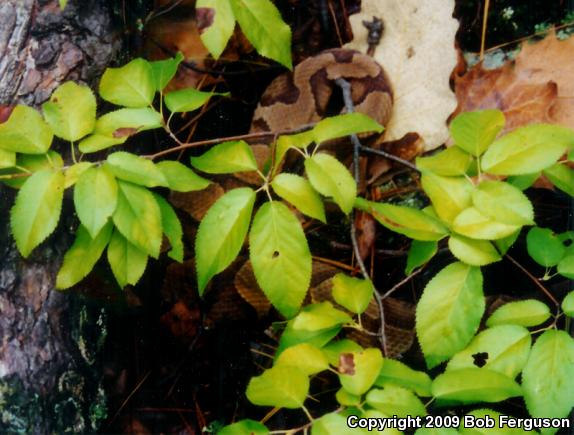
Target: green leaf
(128, 263)
(187, 100)
(135, 169)
(332, 179)
(334, 350)
(472, 223)
(71, 111)
(506, 347)
(180, 178)
(566, 267)
(244, 427)
(449, 195)
(397, 401)
(544, 247)
(95, 198)
(419, 254)
(496, 430)
(280, 257)
(347, 399)
(333, 423)
(116, 127)
(527, 313)
(138, 218)
(562, 177)
(284, 143)
(131, 85)
(171, 227)
(450, 162)
(318, 337)
(436, 431)
(352, 293)
(548, 378)
(474, 385)
(306, 357)
(82, 256)
(226, 158)
(409, 221)
(568, 304)
(360, 370)
(164, 70)
(473, 252)
(220, 25)
(229, 219)
(73, 173)
(32, 163)
(263, 26)
(504, 244)
(449, 312)
(299, 192)
(26, 132)
(475, 131)
(320, 316)
(63, 4)
(280, 386)
(523, 182)
(345, 125)
(527, 149)
(7, 159)
(36, 212)
(399, 374)
(503, 202)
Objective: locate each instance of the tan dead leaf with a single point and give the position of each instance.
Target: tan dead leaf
(197, 203)
(552, 60)
(366, 232)
(417, 51)
(510, 89)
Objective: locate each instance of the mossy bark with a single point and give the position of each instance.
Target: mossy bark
(50, 376)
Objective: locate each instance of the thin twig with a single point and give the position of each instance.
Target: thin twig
(389, 156)
(125, 402)
(256, 135)
(349, 106)
(401, 283)
(534, 280)
(484, 24)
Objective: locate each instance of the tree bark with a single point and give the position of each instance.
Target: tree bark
(50, 380)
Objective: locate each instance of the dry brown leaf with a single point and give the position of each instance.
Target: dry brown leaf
(418, 53)
(552, 60)
(509, 89)
(197, 203)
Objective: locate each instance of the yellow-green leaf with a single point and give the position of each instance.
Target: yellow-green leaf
(221, 233)
(503, 202)
(562, 177)
(450, 162)
(226, 158)
(82, 256)
(399, 374)
(221, 22)
(7, 159)
(472, 223)
(263, 26)
(26, 132)
(352, 293)
(280, 386)
(164, 70)
(128, 263)
(71, 111)
(299, 192)
(181, 178)
(473, 252)
(280, 257)
(527, 149)
(411, 222)
(187, 100)
(393, 400)
(36, 212)
(568, 304)
(332, 179)
(95, 198)
(449, 312)
(131, 85)
(171, 227)
(449, 195)
(527, 313)
(306, 357)
(360, 371)
(475, 131)
(135, 169)
(138, 218)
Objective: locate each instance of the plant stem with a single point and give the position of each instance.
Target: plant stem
(349, 106)
(534, 280)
